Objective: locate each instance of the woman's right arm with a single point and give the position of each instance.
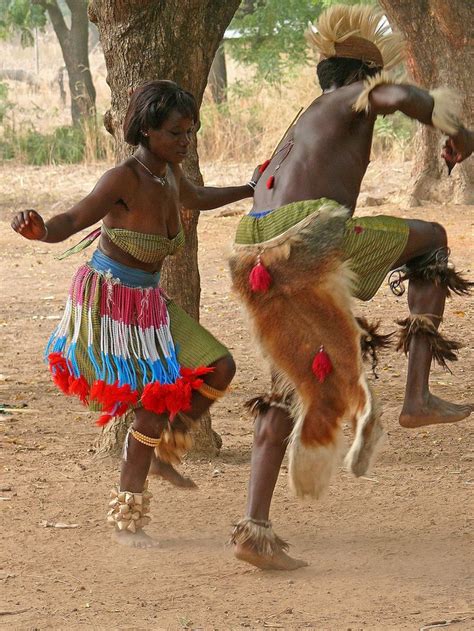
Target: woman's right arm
(112, 186)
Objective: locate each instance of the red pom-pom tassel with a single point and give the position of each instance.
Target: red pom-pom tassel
(322, 365)
(260, 278)
(270, 182)
(263, 166)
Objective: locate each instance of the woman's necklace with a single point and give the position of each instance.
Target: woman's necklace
(161, 179)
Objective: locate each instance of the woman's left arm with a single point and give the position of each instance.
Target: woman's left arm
(209, 197)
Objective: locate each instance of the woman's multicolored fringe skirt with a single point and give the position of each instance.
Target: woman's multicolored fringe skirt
(116, 348)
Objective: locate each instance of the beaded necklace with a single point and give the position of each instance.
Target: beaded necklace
(161, 179)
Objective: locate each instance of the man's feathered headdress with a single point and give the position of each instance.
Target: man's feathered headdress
(359, 32)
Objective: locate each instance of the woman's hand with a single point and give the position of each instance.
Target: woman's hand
(30, 225)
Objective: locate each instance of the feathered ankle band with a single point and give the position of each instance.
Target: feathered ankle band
(262, 403)
(442, 349)
(259, 535)
(433, 267)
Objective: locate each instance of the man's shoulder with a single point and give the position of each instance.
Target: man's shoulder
(339, 100)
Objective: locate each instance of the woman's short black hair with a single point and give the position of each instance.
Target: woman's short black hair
(339, 71)
(151, 104)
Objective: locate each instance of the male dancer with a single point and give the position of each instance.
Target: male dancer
(290, 267)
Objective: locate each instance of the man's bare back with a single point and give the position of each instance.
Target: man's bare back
(328, 157)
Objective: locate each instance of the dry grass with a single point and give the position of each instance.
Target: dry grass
(245, 128)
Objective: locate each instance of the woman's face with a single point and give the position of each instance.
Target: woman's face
(171, 141)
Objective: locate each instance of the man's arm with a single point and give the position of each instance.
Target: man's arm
(439, 108)
(412, 101)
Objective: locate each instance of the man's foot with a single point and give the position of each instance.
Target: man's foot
(278, 561)
(433, 412)
(134, 539)
(166, 471)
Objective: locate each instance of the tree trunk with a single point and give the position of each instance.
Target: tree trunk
(74, 47)
(177, 40)
(439, 53)
(218, 76)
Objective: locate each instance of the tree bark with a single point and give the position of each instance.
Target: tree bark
(177, 40)
(439, 36)
(74, 47)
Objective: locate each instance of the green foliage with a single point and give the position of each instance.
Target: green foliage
(66, 145)
(394, 131)
(21, 16)
(272, 34)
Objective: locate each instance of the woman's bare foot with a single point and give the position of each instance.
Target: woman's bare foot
(278, 561)
(433, 412)
(168, 472)
(134, 539)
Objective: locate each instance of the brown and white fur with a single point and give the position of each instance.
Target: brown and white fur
(309, 305)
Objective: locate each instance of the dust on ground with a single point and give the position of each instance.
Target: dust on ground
(388, 551)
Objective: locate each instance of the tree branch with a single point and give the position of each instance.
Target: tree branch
(57, 19)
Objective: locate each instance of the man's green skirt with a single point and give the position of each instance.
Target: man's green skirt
(371, 245)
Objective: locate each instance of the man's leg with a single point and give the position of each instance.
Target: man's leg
(253, 537)
(426, 300)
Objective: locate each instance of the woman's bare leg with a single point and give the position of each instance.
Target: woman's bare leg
(220, 378)
(135, 469)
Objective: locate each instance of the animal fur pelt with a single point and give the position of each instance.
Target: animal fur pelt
(371, 341)
(442, 349)
(309, 306)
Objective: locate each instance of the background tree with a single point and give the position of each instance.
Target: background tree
(272, 34)
(177, 39)
(74, 46)
(439, 36)
(25, 16)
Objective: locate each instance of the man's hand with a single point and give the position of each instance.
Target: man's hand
(30, 225)
(457, 148)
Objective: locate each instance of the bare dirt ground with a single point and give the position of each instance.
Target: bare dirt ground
(388, 551)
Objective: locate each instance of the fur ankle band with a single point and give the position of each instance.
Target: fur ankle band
(433, 267)
(259, 535)
(261, 404)
(442, 349)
